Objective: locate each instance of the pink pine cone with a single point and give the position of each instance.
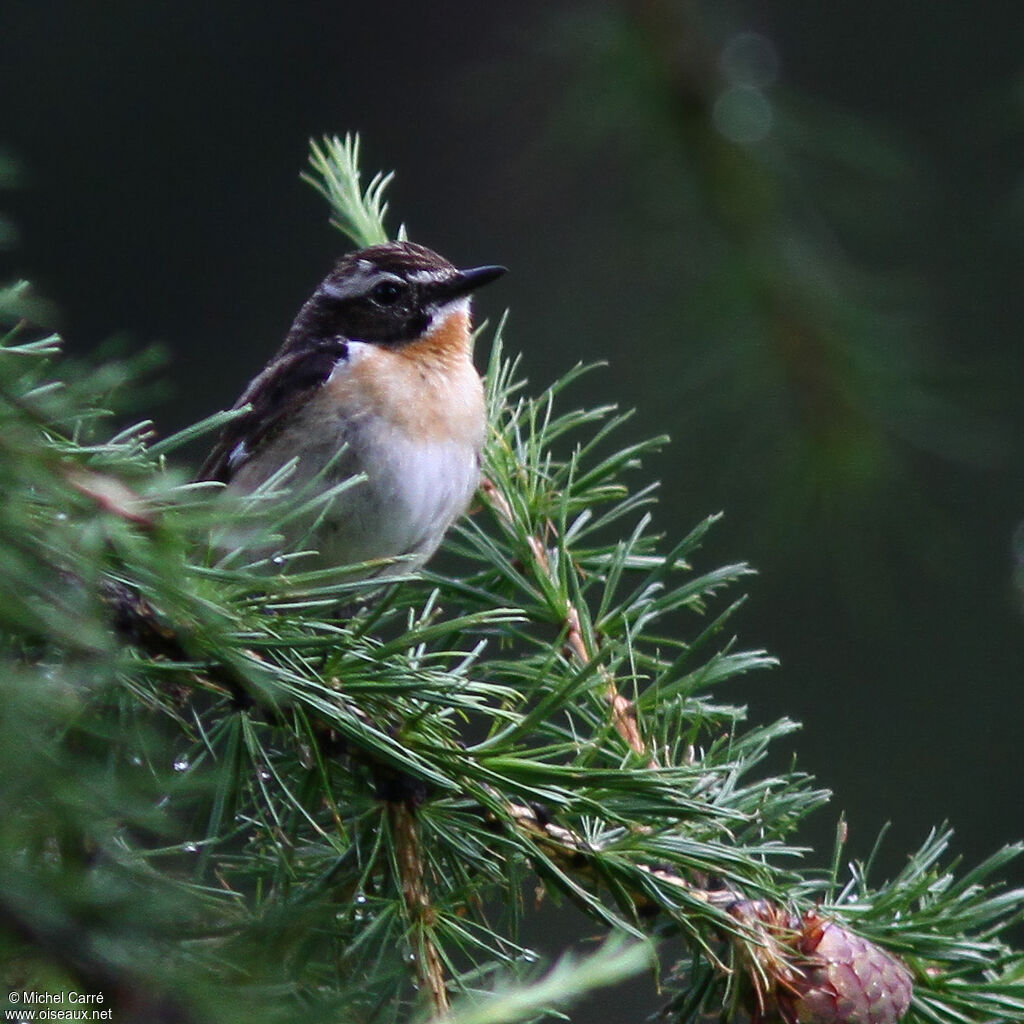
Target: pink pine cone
(846, 979)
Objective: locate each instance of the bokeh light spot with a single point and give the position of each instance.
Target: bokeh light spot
(742, 114)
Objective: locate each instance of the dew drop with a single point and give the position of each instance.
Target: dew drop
(182, 765)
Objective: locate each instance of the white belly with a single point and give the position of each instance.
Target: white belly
(413, 492)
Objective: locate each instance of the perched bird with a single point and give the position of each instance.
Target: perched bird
(375, 377)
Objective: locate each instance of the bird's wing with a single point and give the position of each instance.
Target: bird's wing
(280, 390)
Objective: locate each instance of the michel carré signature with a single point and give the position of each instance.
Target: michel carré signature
(58, 998)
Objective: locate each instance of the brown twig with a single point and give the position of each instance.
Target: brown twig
(623, 710)
(422, 916)
(572, 853)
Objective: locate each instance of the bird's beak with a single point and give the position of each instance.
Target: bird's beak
(466, 281)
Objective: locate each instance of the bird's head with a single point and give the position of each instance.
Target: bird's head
(392, 294)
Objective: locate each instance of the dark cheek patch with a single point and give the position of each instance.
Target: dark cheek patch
(361, 319)
(386, 327)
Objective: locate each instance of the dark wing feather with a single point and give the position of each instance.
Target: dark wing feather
(282, 388)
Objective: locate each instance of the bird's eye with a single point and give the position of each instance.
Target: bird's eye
(387, 293)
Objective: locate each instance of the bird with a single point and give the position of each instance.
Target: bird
(375, 380)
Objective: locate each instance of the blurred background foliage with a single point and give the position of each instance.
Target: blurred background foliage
(793, 230)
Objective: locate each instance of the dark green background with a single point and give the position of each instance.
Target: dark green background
(872, 473)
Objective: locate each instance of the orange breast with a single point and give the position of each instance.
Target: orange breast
(428, 389)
